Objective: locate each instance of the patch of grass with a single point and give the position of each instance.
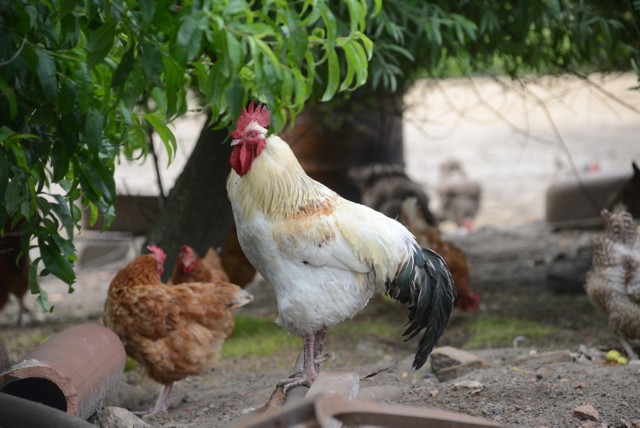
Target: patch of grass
(259, 337)
(500, 332)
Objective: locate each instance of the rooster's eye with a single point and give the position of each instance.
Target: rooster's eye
(252, 134)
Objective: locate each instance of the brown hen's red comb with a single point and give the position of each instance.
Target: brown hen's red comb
(261, 115)
(158, 252)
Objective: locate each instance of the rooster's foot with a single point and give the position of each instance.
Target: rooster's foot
(292, 382)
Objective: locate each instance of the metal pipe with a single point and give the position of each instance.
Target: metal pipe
(16, 412)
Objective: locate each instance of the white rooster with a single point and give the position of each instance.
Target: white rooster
(326, 256)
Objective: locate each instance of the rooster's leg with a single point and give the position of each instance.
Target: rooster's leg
(317, 348)
(633, 357)
(162, 404)
(309, 372)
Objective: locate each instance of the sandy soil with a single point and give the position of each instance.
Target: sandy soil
(548, 359)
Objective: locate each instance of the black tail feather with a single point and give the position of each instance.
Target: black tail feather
(426, 285)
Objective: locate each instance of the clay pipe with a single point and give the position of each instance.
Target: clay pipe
(72, 371)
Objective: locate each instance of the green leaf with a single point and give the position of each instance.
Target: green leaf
(148, 11)
(18, 153)
(42, 300)
(46, 71)
(152, 61)
(10, 96)
(109, 217)
(331, 26)
(275, 63)
(67, 102)
(4, 173)
(189, 37)
(357, 16)
(12, 197)
(100, 42)
(136, 139)
(235, 97)
(352, 65)
(93, 129)
(377, 7)
(55, 262)
(64, 213)
(123, 69)
(300, 87)
(333, 74)
(368, 45)
(5, 133)
(156, 120)
(234, 51)
(175, 90)
(160, 98)
(93, 213)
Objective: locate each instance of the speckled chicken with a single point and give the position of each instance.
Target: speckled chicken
(459, 195)
(613, 283)
(172, 331)
(385, 187)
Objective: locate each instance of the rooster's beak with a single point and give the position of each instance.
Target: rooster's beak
(234, 142)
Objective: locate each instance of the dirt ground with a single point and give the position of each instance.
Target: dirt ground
(532, 378)
(543, 349)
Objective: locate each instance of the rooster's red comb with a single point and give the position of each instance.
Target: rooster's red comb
(261, 115)
(158, 252)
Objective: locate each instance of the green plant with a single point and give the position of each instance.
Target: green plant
(500, 332)
(257, 336)
(80, 83)
(442, 38)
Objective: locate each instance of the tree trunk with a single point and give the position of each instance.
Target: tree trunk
(197, 211)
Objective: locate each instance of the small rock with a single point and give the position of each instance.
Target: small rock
(592, 424)
(449, 363)
(468, 384)
(345, 384)
(580, 385)
(433, 393)
(586, 412)
(635, 423)
(543, 373)
(117, 417)
(545, 358)
(380, 393)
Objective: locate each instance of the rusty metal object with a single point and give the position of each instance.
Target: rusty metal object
(325, 410)
(73, 371)
(19, 412)
(357, 412)
(331, 402)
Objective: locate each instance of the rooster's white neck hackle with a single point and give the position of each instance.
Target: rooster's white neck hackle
(276, 185)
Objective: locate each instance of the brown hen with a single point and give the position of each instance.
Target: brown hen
(172, 331)
(190, 267)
